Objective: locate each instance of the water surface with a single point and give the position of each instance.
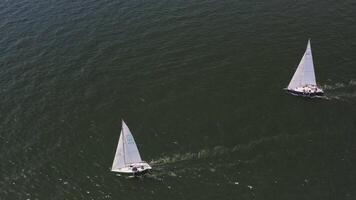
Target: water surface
(198, 82)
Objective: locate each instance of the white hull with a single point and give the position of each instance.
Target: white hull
(134, 168)
(307, 90)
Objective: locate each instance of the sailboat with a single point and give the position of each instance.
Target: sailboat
(303, 82)
(127, 157)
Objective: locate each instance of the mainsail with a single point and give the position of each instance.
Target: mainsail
(304, 75)
(131, 152)
(126, 152)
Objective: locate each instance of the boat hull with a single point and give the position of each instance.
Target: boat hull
(305, 94)
(135, 169)
(136, 174)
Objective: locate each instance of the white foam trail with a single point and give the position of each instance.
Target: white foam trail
(333, 87)
(338, 91)
(213, 152)
(339, 85)
(204, 153)
(346, 96)
(352, 82)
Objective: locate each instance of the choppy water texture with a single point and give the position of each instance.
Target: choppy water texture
(198, 82)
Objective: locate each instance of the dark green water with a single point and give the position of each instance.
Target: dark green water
(198, 82)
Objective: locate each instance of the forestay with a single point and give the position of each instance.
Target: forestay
(304, 75)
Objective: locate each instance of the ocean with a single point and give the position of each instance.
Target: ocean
(199, 83)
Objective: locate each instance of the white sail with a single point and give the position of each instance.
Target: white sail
(119, 161)
(304, 75)
(132, 154)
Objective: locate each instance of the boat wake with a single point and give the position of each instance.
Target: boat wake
(339, 85)
(341, 91)
(194, 163)
(343, 96)
(202, 154)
